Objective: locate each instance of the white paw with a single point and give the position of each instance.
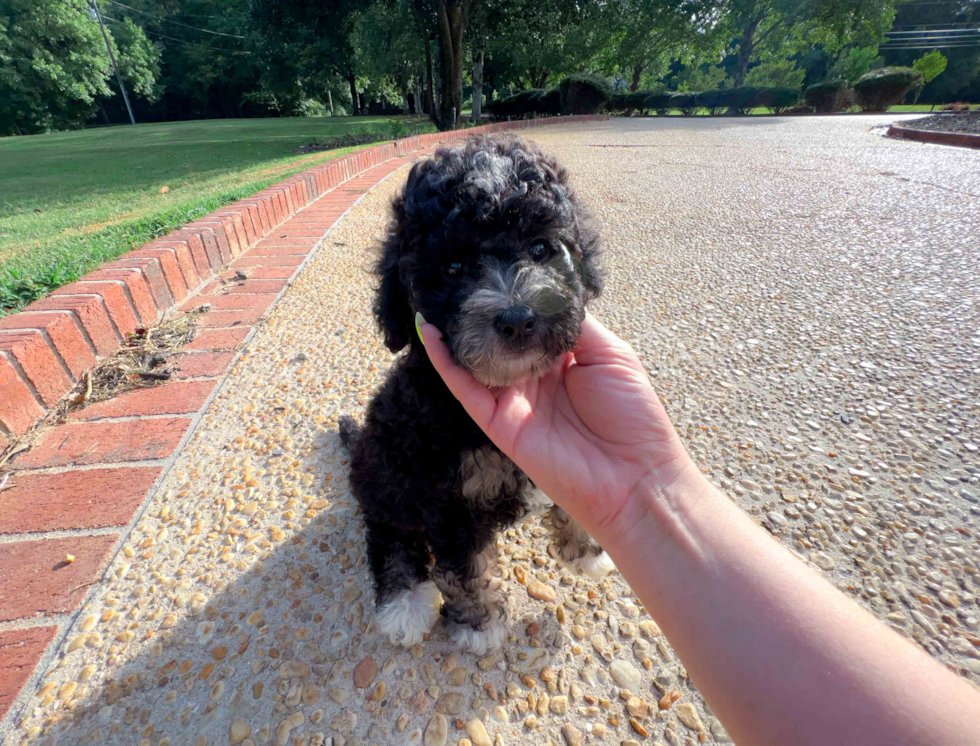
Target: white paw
(480, 641)
(595, 567)
(409, 615)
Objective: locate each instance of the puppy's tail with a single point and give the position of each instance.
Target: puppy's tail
(350, 431)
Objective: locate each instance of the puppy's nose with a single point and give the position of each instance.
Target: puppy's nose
(516, 323)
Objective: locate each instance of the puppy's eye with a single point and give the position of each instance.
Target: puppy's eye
(453, 268)
(539, 251)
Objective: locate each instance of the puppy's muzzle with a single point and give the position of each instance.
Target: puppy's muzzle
(517, 323)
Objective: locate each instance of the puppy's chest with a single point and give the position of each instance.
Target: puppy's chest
(490, 480)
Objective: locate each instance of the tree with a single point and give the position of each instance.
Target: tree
(702, 78)
(853, 63)
(389, 49)
(54, 66)
(784, 74)
(929, 66)
(451, 19)
(768, 28)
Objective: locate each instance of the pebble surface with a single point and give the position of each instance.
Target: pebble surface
(804, 295)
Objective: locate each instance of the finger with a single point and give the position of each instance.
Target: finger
(596, 344)
(476, 398)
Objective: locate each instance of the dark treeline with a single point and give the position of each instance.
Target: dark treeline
(202, 59)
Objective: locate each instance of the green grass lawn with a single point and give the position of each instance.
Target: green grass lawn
(70, 201)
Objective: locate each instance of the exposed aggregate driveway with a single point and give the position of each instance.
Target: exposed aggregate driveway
(804, 293)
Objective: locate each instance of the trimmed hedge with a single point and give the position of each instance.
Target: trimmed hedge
(659, 102)
(879, 89)
(741, 100)
(686, 102)
(524, 104)
(584, 94)
(829, 96)
(713, 100)
(778, 99)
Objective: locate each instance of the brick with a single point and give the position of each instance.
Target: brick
(178, 397)
(171, 269)
(18, 407)
(94, 442)
(35, 580)
(229, 319)
(241, 302)
(243, 224)
(218, 339)
(93, 498)
(266, 273)
(239, 287)
(185, 260)
(220, 237)
(210, 244)
(282, 249)
(90, 312)
(117, 303)
(20, 652)
(195, 245)
(200, 364)
(139, 291)
(63, 333)
(268, 261)
(152, 274)
(39, 363)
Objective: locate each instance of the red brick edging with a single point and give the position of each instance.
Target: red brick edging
(81, 484)
(961, 139)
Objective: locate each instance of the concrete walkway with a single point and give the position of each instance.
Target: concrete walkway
(804, 293)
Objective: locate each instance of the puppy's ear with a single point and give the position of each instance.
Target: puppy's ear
(391, 306)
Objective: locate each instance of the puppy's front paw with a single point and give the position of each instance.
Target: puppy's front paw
(594, 566)
(479, 641)
(408, 616)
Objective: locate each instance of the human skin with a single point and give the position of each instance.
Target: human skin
(781, 656)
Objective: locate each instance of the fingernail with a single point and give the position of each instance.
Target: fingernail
(419, 320)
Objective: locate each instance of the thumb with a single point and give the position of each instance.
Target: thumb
(476, 398)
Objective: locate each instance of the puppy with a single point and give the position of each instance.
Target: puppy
(489, 243)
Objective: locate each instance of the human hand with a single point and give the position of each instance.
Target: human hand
(588, 432)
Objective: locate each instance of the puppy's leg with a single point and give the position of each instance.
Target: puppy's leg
(406, 600)
(475, 613)
(576, 548)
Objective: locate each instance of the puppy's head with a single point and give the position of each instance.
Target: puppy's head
(489, 243)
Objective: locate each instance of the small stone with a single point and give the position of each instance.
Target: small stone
(500, 714)
(339, 696)
(638, 727)
(364, 673)
(637, 707)
(537, 589)
(449, 663)
(239, 731)
(949, 598)
(478, 733)
(533, 628)
(718, 731)
(293, 669)
(379, 692)
(650, 628)
(559, 705)
(625, 675)
(688, 715)
(437, 731)
(287, 725)
(450, 703)
(572, 735)
(823, 561)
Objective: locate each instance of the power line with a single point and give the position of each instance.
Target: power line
(181, 41)
(94, 8)
(176, 23)
(930, 32)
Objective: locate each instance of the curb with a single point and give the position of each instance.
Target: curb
(959, 139)
(84, 483)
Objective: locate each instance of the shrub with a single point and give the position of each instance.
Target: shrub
(659, 102)
(549, 102)
(879, 89)
(778, 100)
(638, 101)
(503, 108)
(618, 103)
(713, 100)
(584, 94)
(831, 95)
(527, 102)
(686, 102)
(741, 100)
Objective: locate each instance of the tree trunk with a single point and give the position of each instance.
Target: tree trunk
(477, 113)
(452, 20)
(746, 45)
(330, 99)
(637, 75)
(353, 94)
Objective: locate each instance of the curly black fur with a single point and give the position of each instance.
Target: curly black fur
(465, 241)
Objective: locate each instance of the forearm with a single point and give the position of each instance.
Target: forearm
(780, 655)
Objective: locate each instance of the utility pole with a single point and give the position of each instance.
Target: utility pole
(98, 15)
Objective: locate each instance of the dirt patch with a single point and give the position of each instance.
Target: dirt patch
(143, 362)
